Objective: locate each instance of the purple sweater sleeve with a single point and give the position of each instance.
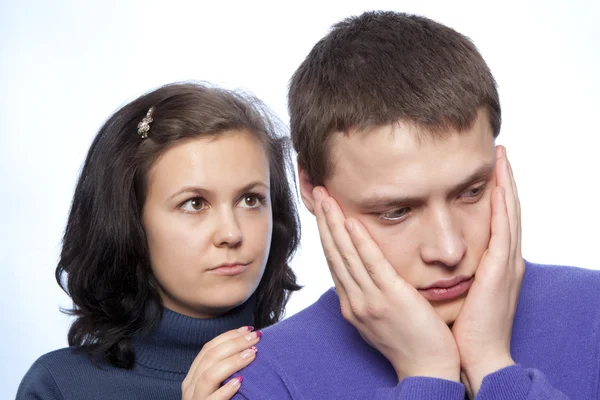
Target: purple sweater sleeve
(518, 383)
(418, 388)
(414, 388)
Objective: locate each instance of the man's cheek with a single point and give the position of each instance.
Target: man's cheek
(482, 231)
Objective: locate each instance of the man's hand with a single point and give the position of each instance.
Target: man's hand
(483, 328)
(389, 313)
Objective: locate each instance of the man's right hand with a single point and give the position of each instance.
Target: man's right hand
(389, 313)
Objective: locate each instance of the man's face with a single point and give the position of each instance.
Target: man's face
(425, 201)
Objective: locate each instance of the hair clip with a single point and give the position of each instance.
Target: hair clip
(144, 126)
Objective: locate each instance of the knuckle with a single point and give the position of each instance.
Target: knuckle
(211, 375)
(370, 267)
(209, 357)
(345, 259)
(329, 257)
(358, 310)
(375, 310)
(347, 312)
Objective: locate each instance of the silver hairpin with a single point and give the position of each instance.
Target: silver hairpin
(144, 126)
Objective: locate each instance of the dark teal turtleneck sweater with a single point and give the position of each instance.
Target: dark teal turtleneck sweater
(162, 360)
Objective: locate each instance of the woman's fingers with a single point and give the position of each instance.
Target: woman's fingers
(208, 383)
(224, 337)
(219, 359)
(228, 390)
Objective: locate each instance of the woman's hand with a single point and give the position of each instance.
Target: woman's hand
(219, 359)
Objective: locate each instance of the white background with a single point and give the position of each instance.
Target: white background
(66, 66)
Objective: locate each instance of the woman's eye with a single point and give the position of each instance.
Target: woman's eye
(251, 201)
(395, 215)
(194, 205)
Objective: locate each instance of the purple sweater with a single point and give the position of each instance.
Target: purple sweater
(316, 354)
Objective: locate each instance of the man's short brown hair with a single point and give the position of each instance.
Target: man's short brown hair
(382, 67)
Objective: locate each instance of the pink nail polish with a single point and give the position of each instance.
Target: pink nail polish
(236, 381)
(254, 335)
(249, 352)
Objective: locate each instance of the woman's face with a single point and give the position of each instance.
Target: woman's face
(208, 221)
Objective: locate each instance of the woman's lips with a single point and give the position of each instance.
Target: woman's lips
(230, 269)
(449, 289)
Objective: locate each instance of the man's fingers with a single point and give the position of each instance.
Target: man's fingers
(375, 263)
(348, 253)
(500, 239)
(505, 180)
(334, 259)
(518, 209)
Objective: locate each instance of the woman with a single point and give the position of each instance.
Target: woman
(179, 236)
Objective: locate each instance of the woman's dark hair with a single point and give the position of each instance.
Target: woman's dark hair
(105, 254)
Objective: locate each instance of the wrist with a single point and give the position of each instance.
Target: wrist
(477, 371)
(450, 373)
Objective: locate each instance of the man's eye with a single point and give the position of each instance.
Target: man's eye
(475, 192)
(395, 215)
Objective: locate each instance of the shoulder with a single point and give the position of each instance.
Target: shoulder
(60, 373)
(561, 280)
(560, 291)
(306, 327)
(287, 347)
(42, 380)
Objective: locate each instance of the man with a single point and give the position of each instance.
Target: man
(394, 118)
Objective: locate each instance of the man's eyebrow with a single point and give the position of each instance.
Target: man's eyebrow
(382, 202)
(204, 192)
(481, 173)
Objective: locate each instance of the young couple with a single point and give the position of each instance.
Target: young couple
(183, 223)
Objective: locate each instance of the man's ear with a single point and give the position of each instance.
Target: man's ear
(306, 190)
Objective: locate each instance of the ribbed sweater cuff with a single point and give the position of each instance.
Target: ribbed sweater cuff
(510, 383)
(418, 388)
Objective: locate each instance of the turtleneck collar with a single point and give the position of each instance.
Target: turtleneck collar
(177, 339)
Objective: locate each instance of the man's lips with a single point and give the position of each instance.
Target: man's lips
(447, 289)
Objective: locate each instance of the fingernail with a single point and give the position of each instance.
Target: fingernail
(325, 206)
(504, 151)
(318, 195)
(254, 335)
(236, 381)
(245, 329)
(249, 352)
(349, 225)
